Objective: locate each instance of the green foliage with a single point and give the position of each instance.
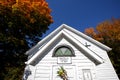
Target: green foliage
(62, 73)
(14, 73)
(22, 25)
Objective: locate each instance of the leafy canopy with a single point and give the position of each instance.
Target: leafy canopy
(22, 24)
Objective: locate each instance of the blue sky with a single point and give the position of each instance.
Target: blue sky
(81, 14)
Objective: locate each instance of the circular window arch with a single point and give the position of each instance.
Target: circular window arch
(63, 51)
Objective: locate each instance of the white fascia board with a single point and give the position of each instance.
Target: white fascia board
(81, 46)
(46, 39)
(39, 53)
(73, 41)
(51, 35)
(87, 38)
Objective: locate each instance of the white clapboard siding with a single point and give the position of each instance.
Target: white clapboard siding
(42, 72)
(106, 71)
(81, 64)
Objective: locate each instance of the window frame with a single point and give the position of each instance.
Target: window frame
(63, 46)
(89, 74)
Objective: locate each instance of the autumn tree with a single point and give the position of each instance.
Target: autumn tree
(108, 32)
(22, 26)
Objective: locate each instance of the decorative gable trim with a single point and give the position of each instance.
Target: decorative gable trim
(82, 48)
(87, 37)
(45, 40)
(64, 26)
(42, 49)
(73, 41)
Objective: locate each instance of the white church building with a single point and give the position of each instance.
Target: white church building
(80, 57)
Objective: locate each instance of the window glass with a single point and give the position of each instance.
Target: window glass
(87, 74)
(63, 51)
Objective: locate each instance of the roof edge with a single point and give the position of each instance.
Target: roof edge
(46, 39)
(88, 38)
(50, 36)
(73, 41)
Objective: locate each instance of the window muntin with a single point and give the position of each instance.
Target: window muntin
(87, 74)
(63, 51)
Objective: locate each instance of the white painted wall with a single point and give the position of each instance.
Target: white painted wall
(43, 70)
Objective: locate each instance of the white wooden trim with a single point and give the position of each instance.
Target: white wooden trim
(87, 37)
(43, 48)
(51, 35)
(75, 42)
(80, 46)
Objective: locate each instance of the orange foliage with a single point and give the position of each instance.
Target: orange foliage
(41, 6)
(109, 30)
(90, 31)
(7, 2)
(27, 5)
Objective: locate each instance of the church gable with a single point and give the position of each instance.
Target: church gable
(70, 39)
(61, 46)
(78, 35)
(82, 57)
(50, 63)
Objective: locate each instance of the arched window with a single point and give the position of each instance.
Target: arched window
(63, 51)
